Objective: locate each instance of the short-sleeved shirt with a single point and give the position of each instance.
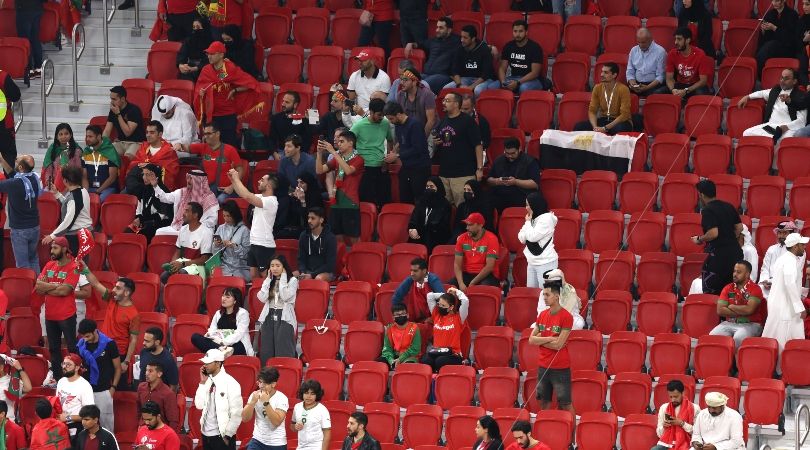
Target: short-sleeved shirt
(371, 139)
(163, 438)
(131, 113)
(195, 243)
(551, 325)
(751, 292)
(60, 308)
(97, 167)
(119, 323)
(460, 136)
(264, 431)
(688, 69)
(364, 86)
(723, 216)
(170, 376)
(424, 101)
(261, 229)
(226, 157)
(348, 186)
(475, 253)
(105, 365)
(317, 419)
(520, 59)
(73, 395)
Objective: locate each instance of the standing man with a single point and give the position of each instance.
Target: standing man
(349, 165)
(522, 433)
(262, 243)
(296, 160)
(774, 252)
(721, 229)
(472, 67)
(358, 438)
(786, 312)
(154, 434)
(127, 121)
(154, 351)
(645, 65)
(609, 110)
(288, 122)
(366, 80)
(521, 62)
(718, 426)
(317, 249)
(411, 150)
(441, 51)
(93, 435)
(742, 304)
(460, 154)
(416, 100)
(73, 392)
(779, 36)
(374, 138)
(785, 111)
(218, 158)
(155, 150)
(219, 398)
(675, 419)
(179, 15)
(687, 72)
(270, 406)
(412, 291)
(155, 390)
(100, 162)
(477, 253)
(103, 362)
(514, 176)
(23, 187)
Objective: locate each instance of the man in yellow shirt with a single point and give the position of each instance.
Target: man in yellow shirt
(609, 111)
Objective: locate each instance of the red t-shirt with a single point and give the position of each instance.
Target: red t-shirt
(447, 331)
(211, 158)
(60, 308)
(119, 323)
(688, 69)
(551, 325)
(348, 186)
(475, 253)
(163, 438)
(539, 446)
(751, 292)
(382, 9)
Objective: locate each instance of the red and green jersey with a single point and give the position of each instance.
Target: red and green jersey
(475, 253)
(751, 292)
(551, 325)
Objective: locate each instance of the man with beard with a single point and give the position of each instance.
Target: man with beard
(154, 351)
(94, 436)
(217, 159)
(721, 229)
(718, 427)
(774, 252)
(472, 68)
(332, 120)
(687, 71)
(441, 51)
(514, 175)
(785, 113)
(265, 204)
(126, 119)
(154, 434)
(742, 304)
(477, 253)
(157, 151)
(366, 80)
(317, 249)
(178, 120)
(374, 138)
(468, 107)
(74, 392)
(100, 162)
(22, 188)
(675, 419)
(522, 432)
(609, 110)
(296, 160)
(521, 62)
(103, 362)
(411, 150)
(458, 144)
(358, 438)
(57, 283)
(155, 390)
(412, 291)
(288, 122)
(416, 100)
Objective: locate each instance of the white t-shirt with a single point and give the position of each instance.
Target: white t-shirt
(74, 394)
(5, 380)
(364, 86)
(261, 229)
(263, 429)
(199, 239)
(317, 418)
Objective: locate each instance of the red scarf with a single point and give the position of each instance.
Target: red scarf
(231, 76)
(676, 437)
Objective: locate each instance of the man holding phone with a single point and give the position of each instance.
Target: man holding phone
(514, 175)
(785, 108)
(675, 419)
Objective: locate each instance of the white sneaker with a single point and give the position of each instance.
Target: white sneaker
(228, 351)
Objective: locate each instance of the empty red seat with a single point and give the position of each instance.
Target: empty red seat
(17, 284)
(573, 108)
(422, 425)
(756, 358)
(127, 253)
(366, 262)
(669, 353)
(368, 382)
(656, 313)
(329, 373)
(740, 119)
(496, 106)
(597, 190)
(535, 110)
(604, 230)
(581, 34)
(571, 71)
(669, 153)
(117, 212)
(768, 395)
(597, 431)
(611, 310)
(792, 158)
(731, 9)
(630, 393)
(140, 92)
(554, 428)
(638, 192)
(588, 390)
(566, 233)
(742, 37)
(639, 432)
(485, 305)
(319, 343)
(662, 113)
(737, 77)
(699, 314)
(363, 341)
(392, 223)
(766, 196)
(273, 26)
(455, 386)
(678, 193)
(324, 65)
(345, 32)
(558, 187)
(384, 417)
(615, 270)
(311, 26)
(352, 301)
(729, 188)
(646, 232)
(546, 30)
(800, 198)
(410, 384)
(620, 31)
(702, 115)
(684, 226)
(585, 349)
(753, 156)
(659, 22)
(498, 388)
(161, 62)
(499, 27)
(793, 363)
(626, 351)
(713, 356)
(656, 272)
(493, 347)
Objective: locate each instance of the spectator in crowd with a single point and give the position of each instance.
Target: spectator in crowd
(569, 299)
(430, 220)
(718, 425)
(804, 34)
(413, 290)
(675, 418)
(522, 433)
(567, 8)
(782, 230)
(288, 122)
(57, 284)
(402, 341)
(48, 431)
(8, 144)
(154, 351)
(11, 434)
(27, 17)
(307, 194)
(779, 30)
(416, 100)
(296, 160)
(476, 255)
(538, 235)
(193, 246)
(449, 314)
(741, 303)
(219, 398)
(126, 119)
(475, 200)
(233, 239)
(155, 390)
(103, 362)
(156, 150)
(178, 120)
(374, 137)
(268, 428)
(14, 382)
(345, 212)
(488, 434)
(73, 392)
(358, 437)
(698, 19)
(230, 327)
(645, 66)
(514, 176)
(404, 64)
(687, 68)
(196, 191)
(154, 434)
(413, 17)
(317, 248)
(150, 214)
(332, 120)
(278, 323)
(368, 78)
(472, 67)
(63, 152)
(750, 253)
(609, 114)
(218, 158)
(521, 62)
(721, 226)
(240, 51)
(22, 188)
(458, 144)
(265, 204)
(376, 23)
(191, 58)
(411, 150)
(679, 5)
(551, 333)
(785, 111)
(311, 418)
(468, 107)
(179, 15)
(218, 83)
(101, 163)
(441, 51)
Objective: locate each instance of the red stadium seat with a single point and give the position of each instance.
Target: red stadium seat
(304, 91)
(178, 291)
(794, 357)
(382, 303)
(742, 37)
(161, 62)
(753, 156)
(352, 301)
(669, 353)
(713, 356)
(699, 315)
(125, 408)
(702, 115)
(736, 77)
(604, 230)
(620, 31)
(422, 425)
(147, 290)
(399, 260)
(597, 431)
(528, 355)
(578, 267)
(441, 262)
(182, 89)
(625, 352)
(740, 119)
(392, 223)
(638, 432)
(140, 92)
(384, 417)
(410, 384)
(554, 428)
(597, 190)
(285, 63)
(159, 252)
(621, 60)
(273, 26)
(571, 70)
(756, 358)
(499, 27)
(490, 7)
(476, 19)
(311, 27)
(496, 105)
(329, 373)
(661, 26)
(498, 388)
(546, 30)
(684, 226)
(366, 262)
(520, 307)
(189, 377)
(455, 386)
(216, 286)
(127, 252)
(638, 192)
(290, 370)
(581, 34)
(769, 397)
(646, 232)
(510, 222)
(735, 9)
(558, 187)
(573, 108)
(459, 423)
(493, 347)
(317, 343)
(368, 382)
(485, 305)
(662, 113)
(669, 153)
(618, 8)
(345, 32)
(324, 65)
(184, 327)
(800, 198)
(566, 233)
(117, 212)
(505, 417)
(21, 331)
(615, 270)
(729, 386)
(585, 349)
(792, 158)
(656, 313)
(417, 57)
(729, 188)
(766, 196)
(611, 310)
(588, 390)
(368, 220)
(363, 341)
(630, 394)
(773, 68)
(18, 283)
(660, 395)
(535, 110)
(690, 269)
(289, 249)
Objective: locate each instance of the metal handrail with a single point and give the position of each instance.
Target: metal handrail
(105, 24)
(136, 28)
(76, 35)
(17, 109)
(797, 422)
(48, 78)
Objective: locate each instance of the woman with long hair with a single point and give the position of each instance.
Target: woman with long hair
(277, 322)
(488, 433)
(449, 313)
(230, 327)
(310, 418)
(538, 235)
(234, 237)
(150, 213)
(75, 209)
(63, 152)
(430, 219)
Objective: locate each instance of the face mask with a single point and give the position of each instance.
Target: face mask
(430, 191)
(468, 196)
(401, 320)
(443, 311)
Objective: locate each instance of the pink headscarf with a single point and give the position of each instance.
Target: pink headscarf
(786, 226)
(199, 192)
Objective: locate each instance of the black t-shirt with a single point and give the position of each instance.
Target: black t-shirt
(132, 114)
(721, 215)
(106, 370)
(521, 58)
(166, 360)
(456, 154)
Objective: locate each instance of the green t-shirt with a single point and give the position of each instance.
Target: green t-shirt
(371, 139)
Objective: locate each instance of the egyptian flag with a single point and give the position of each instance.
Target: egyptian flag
(586, 150)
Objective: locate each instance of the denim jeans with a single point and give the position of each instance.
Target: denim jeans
(533, 85)
(567, 10)
(436, 81)
(105, 193)
(55, 329)
(466, 81)
(24, 243)
(28, 28)
(253, 444)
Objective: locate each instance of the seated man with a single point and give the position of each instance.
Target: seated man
(218, 158)
(521, 64)
(286, 123)
(402, 341)
(159, 152)
(413, 291)
(127, 121)
(441, 51)
(317, 249)
(472, 67)
(687, 70)
(100, 162)
(742, 304)
(296, 160)
(522, 433)
(645, 66)
(609, 110)
(476, 255)
(514, 175)
(718, 426)
(675, 419)
(178, 120)
(193, 245)
(785, 112)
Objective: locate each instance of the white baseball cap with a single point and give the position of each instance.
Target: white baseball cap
(213, 355)
(795, 238)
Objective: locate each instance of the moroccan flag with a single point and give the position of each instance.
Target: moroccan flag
(86, 243)
(587, 150)
(50, 434)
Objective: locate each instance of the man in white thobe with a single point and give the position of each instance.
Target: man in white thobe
(786, 311)
(774, 252)
(785, 109)
(717, 427)
(179, 123)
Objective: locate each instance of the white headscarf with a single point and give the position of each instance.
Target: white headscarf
(715, 399)
(182, 126)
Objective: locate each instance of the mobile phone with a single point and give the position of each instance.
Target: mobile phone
(769, 129)
(217, 237)
(668, 416)
(504, 178)
(349, 103)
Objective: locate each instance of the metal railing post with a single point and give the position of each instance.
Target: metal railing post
(48, 77)
(136, 29)
(797, 422)
(78, 33)
(17, 108)
(108, 16)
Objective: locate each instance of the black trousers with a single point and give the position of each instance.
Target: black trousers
(204, 344)
(439, 361)
(489, 280)
(412, 182)
(375, 187)
(55, 329)
(217, 443)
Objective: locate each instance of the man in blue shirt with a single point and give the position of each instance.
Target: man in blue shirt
(295, 161)
(411, 149)
(414, 289)
(23, 187)
(645, 66)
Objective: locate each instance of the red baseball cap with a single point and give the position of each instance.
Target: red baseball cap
(364, 55)
(215, 47)
(475, 218)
